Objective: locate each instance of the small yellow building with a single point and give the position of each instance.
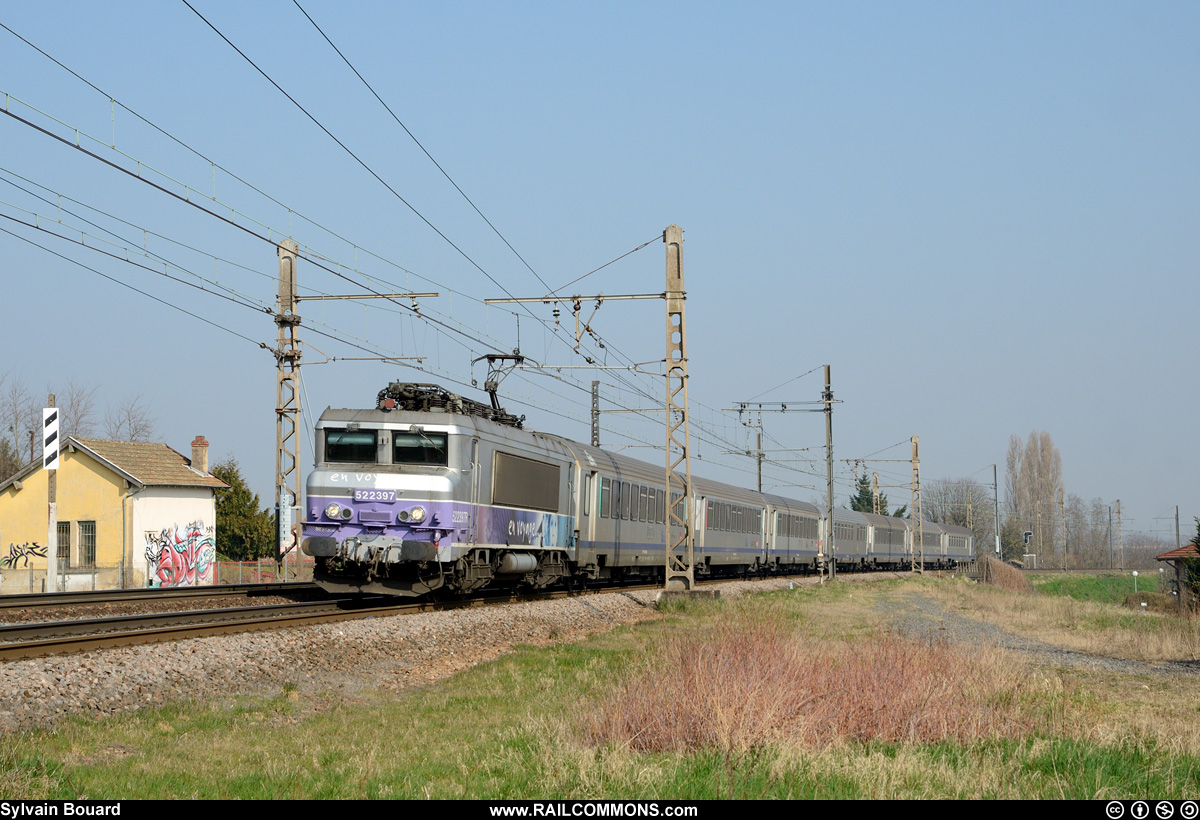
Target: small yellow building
(129, 514)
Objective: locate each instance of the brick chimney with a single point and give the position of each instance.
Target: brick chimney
(200, 454)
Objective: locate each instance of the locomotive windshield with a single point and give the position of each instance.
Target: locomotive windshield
(419, 448)
(351, 446)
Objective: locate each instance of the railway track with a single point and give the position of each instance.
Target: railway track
(31, 640)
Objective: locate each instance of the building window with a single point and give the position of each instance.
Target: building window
(64, 546)
(87, 545)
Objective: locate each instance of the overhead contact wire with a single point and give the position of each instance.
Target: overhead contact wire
(419, 145)
(136, 290)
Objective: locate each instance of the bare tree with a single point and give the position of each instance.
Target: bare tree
(963, 502)
(130, 421)
(1085, 533)
(78, 403)
(20, 418)
(1033, 481)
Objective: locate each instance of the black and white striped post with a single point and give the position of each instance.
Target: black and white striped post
(50, 464)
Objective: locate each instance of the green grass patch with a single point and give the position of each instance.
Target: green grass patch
(1107, 589)
(525, 726)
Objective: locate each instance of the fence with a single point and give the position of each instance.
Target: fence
(77, 579)
(264, 571)
(74, 579)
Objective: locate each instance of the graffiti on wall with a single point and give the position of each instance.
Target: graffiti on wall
(22, 553)
(181, 556)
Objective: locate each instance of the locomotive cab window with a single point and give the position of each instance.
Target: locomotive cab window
(419, 448)
(350, 446)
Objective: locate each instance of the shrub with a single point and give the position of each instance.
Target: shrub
(738, 688)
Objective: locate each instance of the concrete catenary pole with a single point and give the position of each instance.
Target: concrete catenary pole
(831, 547)
(1120, 537)
(287, 404)
(1062, 516)
(595, 413)
(759, 452)
(680, 519)
(918, 557)
(1110, 549)
(996, 506)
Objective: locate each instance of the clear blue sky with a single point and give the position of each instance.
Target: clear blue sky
(984, 216)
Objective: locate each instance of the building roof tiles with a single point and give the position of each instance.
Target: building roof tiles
(149, 463)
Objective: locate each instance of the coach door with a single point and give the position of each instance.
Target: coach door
(587, 506)
(764, 550)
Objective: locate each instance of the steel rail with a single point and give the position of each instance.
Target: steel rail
(106, 596)
(36, 640)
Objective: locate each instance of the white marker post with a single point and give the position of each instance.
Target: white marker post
(50, 463)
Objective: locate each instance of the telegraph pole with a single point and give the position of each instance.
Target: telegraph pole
(287, 405)
(875, 493)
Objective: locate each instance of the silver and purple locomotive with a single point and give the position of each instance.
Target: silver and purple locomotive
(432, 491)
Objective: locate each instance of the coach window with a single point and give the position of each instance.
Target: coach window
(605, 498)
(350, 446)
(626, 500)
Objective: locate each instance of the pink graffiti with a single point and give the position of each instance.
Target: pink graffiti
(181, 556)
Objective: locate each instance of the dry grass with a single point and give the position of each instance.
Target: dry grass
(1084, 626)
(744, 686)
(1006, 577)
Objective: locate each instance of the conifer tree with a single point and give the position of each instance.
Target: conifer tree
(244, 532)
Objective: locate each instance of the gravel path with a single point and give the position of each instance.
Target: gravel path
(925, 619)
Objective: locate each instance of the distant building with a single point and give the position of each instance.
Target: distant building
(1176, 558)
(130, 514)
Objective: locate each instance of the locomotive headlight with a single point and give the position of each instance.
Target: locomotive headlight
(333, 511)
(418, 514)
(403, 516)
